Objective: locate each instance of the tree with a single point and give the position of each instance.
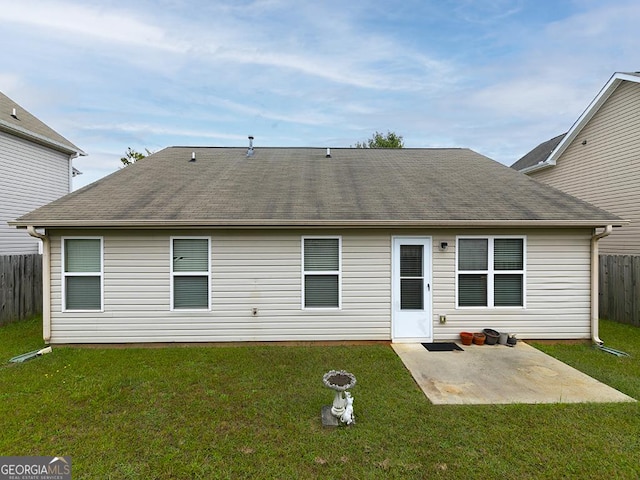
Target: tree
(131, 156)
(390, 140)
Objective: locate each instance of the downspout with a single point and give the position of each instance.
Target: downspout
(46, 282)
(595, 264)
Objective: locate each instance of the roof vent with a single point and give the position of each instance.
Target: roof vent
(193, 157)
(14, 114)
(250, 151)
(328, 155)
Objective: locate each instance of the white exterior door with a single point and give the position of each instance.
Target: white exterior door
(411, 290)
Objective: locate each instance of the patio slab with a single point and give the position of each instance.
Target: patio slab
(497, 374)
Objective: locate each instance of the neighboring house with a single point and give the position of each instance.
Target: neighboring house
(35, 169)
(224, 244)
(598, 159)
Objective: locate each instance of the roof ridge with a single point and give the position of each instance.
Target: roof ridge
(315, 147)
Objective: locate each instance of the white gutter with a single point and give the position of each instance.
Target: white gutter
(46, 282)
(538, 166)
(142, 223)
(595, 315)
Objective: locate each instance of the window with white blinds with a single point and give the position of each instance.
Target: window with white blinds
(82, 274)
(321, 271)
(190, 273)
(490, 271)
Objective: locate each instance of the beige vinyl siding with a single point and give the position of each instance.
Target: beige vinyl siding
(557, 288)
(250, 269)
(262, 269)
(606, 170)
(32, 176)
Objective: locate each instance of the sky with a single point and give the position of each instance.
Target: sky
(496, 76)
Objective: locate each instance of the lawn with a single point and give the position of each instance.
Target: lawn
(254, 412)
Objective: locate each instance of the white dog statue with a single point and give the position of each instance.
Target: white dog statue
(347, 416)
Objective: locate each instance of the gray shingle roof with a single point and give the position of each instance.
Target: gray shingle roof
(26, 125)
(299, 186)
(538, 154)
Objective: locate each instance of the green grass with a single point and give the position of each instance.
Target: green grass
(254, 412)
(622, 373)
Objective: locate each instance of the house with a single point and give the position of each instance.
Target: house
(301, 244)
(598, 159)
(36, 167)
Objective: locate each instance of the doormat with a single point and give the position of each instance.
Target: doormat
(442, 347)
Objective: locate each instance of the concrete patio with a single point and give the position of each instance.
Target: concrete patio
(497, 374)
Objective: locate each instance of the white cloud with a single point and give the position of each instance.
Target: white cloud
(451, 73)
(9, 82)
(538, 90)
(601, 23)
(343, 54)
(487, 11)
(531, 97)
(119, 26)
(149, 129)
(95, 166)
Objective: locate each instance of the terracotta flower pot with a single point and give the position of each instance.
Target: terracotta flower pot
(478, 338)
(466, 337)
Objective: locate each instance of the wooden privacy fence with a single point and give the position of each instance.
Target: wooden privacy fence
(620, 288)
(20, 287)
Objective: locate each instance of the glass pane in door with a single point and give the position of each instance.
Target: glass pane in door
(411, 277)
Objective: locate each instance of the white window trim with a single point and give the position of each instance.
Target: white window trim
(199, 273)
(491, 272)
(322, 272)
(64, 274)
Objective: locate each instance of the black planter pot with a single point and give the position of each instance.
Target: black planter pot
(492, 336)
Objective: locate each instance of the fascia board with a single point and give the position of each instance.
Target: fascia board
(285, 224)
(41, 139)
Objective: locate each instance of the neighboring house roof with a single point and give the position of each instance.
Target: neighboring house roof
(302, 187)
(538, 154)
(16, 120)
(530, 165)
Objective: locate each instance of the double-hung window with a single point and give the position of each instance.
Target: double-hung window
(321, 272)
(190, 273)
(491, 271)
(82, 274)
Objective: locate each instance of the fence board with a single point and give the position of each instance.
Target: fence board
(619, 288)
(20, 287)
